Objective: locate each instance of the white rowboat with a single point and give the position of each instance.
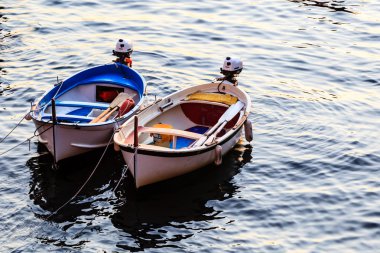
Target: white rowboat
(184, 131)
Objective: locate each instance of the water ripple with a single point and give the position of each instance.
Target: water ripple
(305, 183)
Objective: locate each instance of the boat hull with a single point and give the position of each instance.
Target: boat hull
(79, 103)
(155, 166)
(183, 132)
(69, 140)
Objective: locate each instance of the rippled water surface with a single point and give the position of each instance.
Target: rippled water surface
(308, 182)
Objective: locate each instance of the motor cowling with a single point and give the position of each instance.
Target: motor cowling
(232, 66)
(123, 47)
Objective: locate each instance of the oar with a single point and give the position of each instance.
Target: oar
(212, 137)
(119, 107)
(115, 104)
(105, 117)
(228, 115)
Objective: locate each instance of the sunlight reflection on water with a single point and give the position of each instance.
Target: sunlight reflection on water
(305, 183)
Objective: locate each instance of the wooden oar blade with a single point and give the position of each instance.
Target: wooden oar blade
(116, 102)
(200, 141)
(212, 137)
(119, 99)
(228, 115)
(232, 111)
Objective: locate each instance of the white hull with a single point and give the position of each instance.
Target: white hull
(73, 140)
(85, 109)
(154, 161)
(152, 168)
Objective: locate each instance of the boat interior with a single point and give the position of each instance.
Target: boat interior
(84, 103)
(182, 125)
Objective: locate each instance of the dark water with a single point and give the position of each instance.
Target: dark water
(308, 182)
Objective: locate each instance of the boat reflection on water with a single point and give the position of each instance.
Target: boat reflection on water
(140, 217)
(178, 204)
(50, 189)
(334, 5)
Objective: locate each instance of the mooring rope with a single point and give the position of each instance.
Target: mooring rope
(108, 199)
(27, 226)
(28, 139)
(87, 180)
(59, 88)
(18, 124)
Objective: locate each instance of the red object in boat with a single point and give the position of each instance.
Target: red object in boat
(126, 106)
(108, 95)
(205, 114)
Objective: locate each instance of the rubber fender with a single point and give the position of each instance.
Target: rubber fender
(127, 105)
(248, 130)
(28, 116)
(116, 147)
(218, 155)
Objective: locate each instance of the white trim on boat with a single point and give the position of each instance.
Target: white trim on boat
(93, 146)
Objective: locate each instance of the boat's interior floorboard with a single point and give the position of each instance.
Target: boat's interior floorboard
(180, 142)
(183, 142)
(76, 111)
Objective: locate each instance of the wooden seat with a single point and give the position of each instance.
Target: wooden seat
(170, 131)
(227, 99)
(203, 102)
(70, 118)
(102, 106)
(166, 131)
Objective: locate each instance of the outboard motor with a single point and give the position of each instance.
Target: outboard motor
(123, 50)
(232, 67)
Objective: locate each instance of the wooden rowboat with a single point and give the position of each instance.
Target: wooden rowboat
(184, 131)
(80, 114)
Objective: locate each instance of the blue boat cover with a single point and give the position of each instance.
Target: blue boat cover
(115, 73)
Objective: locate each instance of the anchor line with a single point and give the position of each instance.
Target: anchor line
(84, 184)
(59, 88)
(28, 139)
(26, 226)
(122, 176)
(125, 170)
(18, 124)
(35, 131)
(87, 180)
